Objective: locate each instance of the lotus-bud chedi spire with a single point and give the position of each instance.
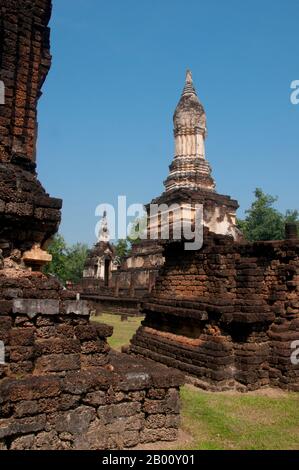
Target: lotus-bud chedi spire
(190, 181)
(190, 169)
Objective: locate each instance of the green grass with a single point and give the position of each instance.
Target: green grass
(241, 421)
(123, 330)
(260, 420)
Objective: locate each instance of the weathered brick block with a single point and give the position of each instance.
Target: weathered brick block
(58, 363)
(86, 332)
(96, 398)
(122, 424)
(75, 421)
(21, 353)
(30, 388)
(5, 307)
(155, 421)
(33, 307)
(152, 435)
(57, 346)
(22, 336)
(86, 381)
(130, 438)
(79, 307)
(108, 414)
(5, 326)
(10, 427)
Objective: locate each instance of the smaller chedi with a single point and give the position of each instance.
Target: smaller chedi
(101, 260)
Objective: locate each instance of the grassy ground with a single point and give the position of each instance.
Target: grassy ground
(123, 331)
(259, 420)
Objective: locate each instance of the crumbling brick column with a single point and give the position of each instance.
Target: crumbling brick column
(24, 63)
(28, 216)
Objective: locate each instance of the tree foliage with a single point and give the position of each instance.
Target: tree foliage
(138, 227)
(122, 249)
(68, 261)
(263, 221)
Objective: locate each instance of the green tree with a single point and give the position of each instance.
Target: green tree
(67, 261)
(263, 221)
(58, 250)
(292, 216)
(122, 249)
(138, 227)
(76, 257)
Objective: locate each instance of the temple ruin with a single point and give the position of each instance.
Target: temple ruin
(226, 314)
(188, 185)
(61, 387)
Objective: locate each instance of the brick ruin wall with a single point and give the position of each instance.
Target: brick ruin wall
(63, 388)
(226, 315)
(138, 273)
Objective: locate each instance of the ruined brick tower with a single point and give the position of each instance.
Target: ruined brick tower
(28, 216)
(25, 61)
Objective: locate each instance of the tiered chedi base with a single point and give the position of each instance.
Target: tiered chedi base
(62, 387)
(226, 315)
(219, 211)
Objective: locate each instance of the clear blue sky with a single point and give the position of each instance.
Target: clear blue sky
(105, 118)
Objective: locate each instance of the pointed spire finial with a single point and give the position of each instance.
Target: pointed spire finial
(189, 87)
(189, 76)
